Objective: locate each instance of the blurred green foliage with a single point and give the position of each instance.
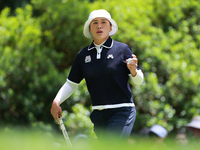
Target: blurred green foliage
(38, 45)
(20, 139)
(28, 74)
(78, 122)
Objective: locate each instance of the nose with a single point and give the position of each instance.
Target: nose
(99, 26)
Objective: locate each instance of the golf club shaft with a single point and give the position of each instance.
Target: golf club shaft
(62, 127)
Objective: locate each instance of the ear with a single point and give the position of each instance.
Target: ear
(110, 28)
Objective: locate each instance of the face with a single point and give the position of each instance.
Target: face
(100, 28)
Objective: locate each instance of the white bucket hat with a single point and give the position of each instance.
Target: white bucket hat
(159, 130)
(95, 14)
(195, 123)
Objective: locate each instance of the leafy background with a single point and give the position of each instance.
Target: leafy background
(39, 40)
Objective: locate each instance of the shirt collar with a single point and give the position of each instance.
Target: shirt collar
(108, 44)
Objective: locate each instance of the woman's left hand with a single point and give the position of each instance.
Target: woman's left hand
(132, 65)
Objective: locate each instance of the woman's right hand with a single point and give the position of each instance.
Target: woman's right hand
(56, 110)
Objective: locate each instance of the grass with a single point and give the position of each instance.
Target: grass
(19, 139)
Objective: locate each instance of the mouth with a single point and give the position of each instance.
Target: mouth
(99, 31)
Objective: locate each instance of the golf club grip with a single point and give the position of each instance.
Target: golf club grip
(62, 127)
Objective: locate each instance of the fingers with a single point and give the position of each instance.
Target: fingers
(132, 64)
(132, 60)
(56, 110)
(58, 115)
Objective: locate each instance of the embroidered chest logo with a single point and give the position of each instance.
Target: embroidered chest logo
(87, 59)
(110, 56)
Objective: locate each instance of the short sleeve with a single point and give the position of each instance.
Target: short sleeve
(76, 73)
(128, 54)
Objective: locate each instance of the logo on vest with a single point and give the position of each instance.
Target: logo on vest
(87, 59)
(110, 56)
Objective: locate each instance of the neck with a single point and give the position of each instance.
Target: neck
(99, 41)
(98, 45)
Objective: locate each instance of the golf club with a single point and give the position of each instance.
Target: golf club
(62, 127)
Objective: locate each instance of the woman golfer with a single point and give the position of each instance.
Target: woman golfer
(106, 66)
